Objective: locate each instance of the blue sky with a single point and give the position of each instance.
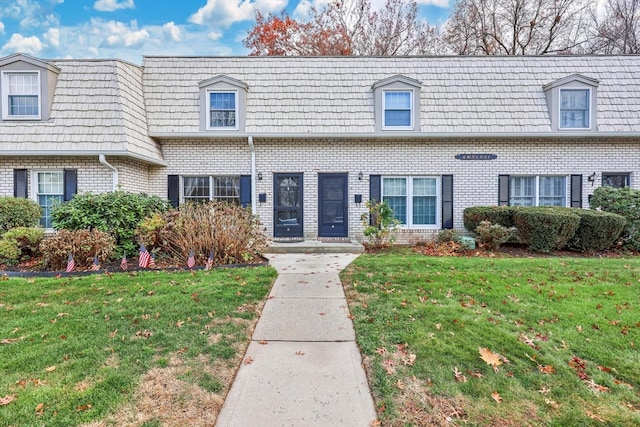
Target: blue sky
(129, 29)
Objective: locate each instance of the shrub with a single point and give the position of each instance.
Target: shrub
(9, 252)
(449, 235)
(500, 215)
(118, 213)
(622, 201)
(546, 228)
(84, 245)
(18, 212)
(597, 230)
(379, 223)
(27, 240)
(231, 231)
(491, 236)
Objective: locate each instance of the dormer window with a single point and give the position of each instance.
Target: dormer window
(572, 103)
(21, 95)
(397, 104)
(574, 108)
(398, 109)
(223, 104)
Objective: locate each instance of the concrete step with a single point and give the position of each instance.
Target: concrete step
(314, 246)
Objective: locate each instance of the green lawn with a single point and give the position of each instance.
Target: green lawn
(563, 334)
(74, 350)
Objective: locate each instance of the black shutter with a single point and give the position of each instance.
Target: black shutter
(576, 191)
(70, 183)
(447, 201)
(173, 192)
(375, 187)
(503, 190)
(20, 183)
(245, 190)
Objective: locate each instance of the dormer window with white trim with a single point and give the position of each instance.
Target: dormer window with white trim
(397, 104)
(575, 108)
(21, 95)
(572, 103)
(223, 104)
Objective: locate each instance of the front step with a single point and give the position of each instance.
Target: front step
(314, 246)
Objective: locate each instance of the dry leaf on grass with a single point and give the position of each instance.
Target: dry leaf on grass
(50, 368)
(490, 358)
(496, 396)
(460, 377)
(6, 400)
(40, 409)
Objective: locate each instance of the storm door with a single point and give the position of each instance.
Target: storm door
(287, 209)
(333, 208)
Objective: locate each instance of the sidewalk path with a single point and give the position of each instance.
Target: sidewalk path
(305, 368)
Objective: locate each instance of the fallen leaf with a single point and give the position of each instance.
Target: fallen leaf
(552, 403)
(593, 416)
(474, 374)
(179, 323)
(6, 400)
(248, 360)
(546, 369)
(375, 423)
(82, 408)
(460, 377)
(40, 409)
(490, 358)
(408, 360)
(50, 369)
(263, 342)
(400, 385)
(496, 396)
(299, 353)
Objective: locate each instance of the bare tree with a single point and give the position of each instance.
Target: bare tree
(346, 27)
(618, 30)
(517, 27)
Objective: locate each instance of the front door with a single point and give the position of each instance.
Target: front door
(333, 207)
(287, 209)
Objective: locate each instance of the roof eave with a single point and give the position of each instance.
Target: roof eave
(83, 153)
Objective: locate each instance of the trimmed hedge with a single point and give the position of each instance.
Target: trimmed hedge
(18, 212)
(622, 201)
(546, 228)
(597, 230)
(501, 215)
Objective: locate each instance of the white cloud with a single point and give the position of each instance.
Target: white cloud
(439, 3)
(18, 43)
(304, 6)
(214, 35)
(173, 30)
(222, 13)
(118, 34)
(113, 5)
(1, 27)
(53, 37)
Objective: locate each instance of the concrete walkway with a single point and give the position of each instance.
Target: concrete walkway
(305, 368)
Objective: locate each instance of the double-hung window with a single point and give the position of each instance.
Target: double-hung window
(223, 112)
(414, 200)
(574, 108)
(615, 180)
(397, 109)
(538, 191)
(49, 193)
(21, 95)
(206, 188)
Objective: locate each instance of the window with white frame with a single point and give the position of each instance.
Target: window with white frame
(49, 193)
(222, 110)
(398, 109)
(21, 95)
(538, 191)
(206, 188)
(414, 200)
(574, 108)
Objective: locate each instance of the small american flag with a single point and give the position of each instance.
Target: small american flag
(191, 261)
(96, 264)
(124, 264)
(209, 263)
(71, 264)
(144, 258)
(152, 261)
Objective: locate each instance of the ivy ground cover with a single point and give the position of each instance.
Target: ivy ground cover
(499, 341)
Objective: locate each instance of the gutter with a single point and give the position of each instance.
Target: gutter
(397, 135)
(103, 160)
(76, 153)
(253, 175)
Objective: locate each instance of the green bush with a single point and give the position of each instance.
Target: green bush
(9, 252)
(622, 201)
(18, 212)
(84, 245)
(597, 230)
(500, 215)
(118, 213)
(379, 223)
(546, 228)
(491, 236)
(27, 240)
(231, 231)
(449, 235)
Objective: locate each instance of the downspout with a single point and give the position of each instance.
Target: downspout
(103, 160)
(253, 175)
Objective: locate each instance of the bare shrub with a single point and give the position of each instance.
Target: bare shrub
(84, 245)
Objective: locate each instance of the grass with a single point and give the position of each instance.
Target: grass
(78, 350)
(563, 333)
